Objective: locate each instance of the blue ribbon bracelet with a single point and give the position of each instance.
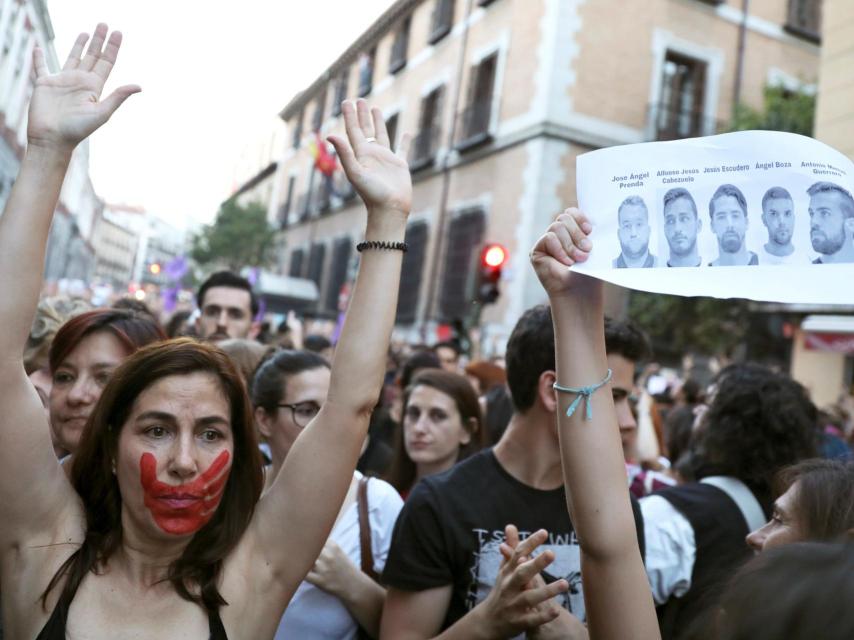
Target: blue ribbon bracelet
(583, 393)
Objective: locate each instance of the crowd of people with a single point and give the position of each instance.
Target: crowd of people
(201, 477)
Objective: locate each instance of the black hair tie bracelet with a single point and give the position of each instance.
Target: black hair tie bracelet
(382, 244)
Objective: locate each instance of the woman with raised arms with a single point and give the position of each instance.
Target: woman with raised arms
(161, 533)
(617, 595)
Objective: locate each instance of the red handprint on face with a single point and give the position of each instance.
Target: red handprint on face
(185, 508)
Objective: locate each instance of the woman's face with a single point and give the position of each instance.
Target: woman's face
(305, 392)
(782, 528)
(78, 383)
(433, 430)
(174, 455)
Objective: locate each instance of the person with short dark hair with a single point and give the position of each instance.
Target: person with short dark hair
(318, 344)
(778, 216)
(831, 222)
(443, 569)
(449, 353)
(227, 308)
(728, 212)
(682, 225)
(633, 232)
(757, 423)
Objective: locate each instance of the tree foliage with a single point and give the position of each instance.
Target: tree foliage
(239, 237)
(783, 110)
(679, 325)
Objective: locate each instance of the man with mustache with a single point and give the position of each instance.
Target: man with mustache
(633, 232)
(728, 211)
(682, 224)
(778, 216)
(227, 307)
(831, 223)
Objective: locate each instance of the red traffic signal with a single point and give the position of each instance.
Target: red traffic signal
(494, 256)
(492, 259)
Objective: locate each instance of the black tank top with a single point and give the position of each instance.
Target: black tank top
(54, 629)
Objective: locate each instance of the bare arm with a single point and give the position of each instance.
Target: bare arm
(65, 109)
(616, 592)
(315, 477)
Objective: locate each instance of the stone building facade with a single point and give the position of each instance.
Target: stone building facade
(502, 96)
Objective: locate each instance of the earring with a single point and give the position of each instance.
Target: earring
(113, 465)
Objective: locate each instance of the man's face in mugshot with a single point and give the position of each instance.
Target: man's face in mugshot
(681, 226)
(634, 230)
(729, 223)
(827, 222)
(778, 216)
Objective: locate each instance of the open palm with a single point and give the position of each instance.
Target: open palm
(379, 175)
(66, 107)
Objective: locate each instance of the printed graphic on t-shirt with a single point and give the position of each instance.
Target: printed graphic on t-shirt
(566, 565)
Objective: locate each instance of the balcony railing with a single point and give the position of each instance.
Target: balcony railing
(424, 148)
(473, 125)
(667, 123)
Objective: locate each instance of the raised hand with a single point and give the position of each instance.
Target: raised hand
(379, 175)
(564, 243)
(66, 107)
(516, 604)
(564, 625)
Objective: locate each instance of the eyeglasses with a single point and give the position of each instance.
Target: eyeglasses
(302, 412)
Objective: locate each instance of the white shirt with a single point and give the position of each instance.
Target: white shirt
(795, 258)
(312, 612)
(670, 548)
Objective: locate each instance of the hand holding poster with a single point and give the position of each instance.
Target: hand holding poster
(756, 214)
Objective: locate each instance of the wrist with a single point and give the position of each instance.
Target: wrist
(48, 153)
(386, 227)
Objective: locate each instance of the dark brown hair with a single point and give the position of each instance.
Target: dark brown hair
(132, 329)
(195, 573)
(401, 475)
(824, 501)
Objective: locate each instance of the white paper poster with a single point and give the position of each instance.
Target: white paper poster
(755, 214)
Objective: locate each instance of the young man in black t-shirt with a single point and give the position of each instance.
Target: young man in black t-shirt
(444, 558)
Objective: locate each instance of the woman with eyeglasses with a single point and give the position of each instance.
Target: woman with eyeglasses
(337, 597)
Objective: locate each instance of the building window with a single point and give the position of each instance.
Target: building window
(298, 130)
(391, 127)
(442, 21)
(366, 72)
(297, 256)
(400, 46)
(429, 124)
(324, 194)
(484, 3)
(474, 126)
(340, 94)
(680, 112)
(315, 263)
(411, 273)
(317, 119)
(465, 234)
(804, 19)
(338, 272)
(285, 209)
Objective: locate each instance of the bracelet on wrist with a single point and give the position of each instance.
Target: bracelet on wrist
(382, 245)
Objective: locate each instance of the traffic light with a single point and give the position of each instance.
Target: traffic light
(492, 259)
(154, 268)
